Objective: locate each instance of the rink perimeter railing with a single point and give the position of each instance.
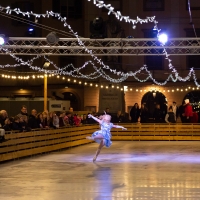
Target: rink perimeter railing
(24, 144)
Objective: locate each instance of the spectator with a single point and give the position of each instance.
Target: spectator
(55, 120)
(23, 113)
(135, 113)
(3, 116)
(77, 120)
(16, 124)
(181, 112)
(158, 114)
(70, 118)
(61, 119)
(45, 120)
(164, 111)
(107, 110)
(170, 116)
(8, 125)
(188, 113)
(175, 109)
(143, 114)
(119, 117)
(51, 120)
(39, 118)
(23, 124)
(84, 120)
(66, 121)
(32, 121)
(2, 135)
(91, 120)
(71, 110)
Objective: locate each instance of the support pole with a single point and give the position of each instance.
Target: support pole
(45, 92)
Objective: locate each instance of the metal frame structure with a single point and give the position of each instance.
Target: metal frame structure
(101, 47)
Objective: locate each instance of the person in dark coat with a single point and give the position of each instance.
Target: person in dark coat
(170, 116)
(8, 125)
(135, 113)
(143, 114)
(181, 112)
(16, 125)
(23, 124)
(85, 119)
(119, 118)
(32, 121)
(158, 114)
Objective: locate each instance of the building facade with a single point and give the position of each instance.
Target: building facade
(173, 18)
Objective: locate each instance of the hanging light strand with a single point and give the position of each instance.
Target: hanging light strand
(100, 70)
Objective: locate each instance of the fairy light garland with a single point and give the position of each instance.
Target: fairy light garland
(9, 75)
(96, 59)
(60, 71)
(120, 17)
(98, 71)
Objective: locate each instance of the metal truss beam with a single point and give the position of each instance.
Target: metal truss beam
(102, 47)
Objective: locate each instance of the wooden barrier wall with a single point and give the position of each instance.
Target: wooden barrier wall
(37, 142)
(157, 132)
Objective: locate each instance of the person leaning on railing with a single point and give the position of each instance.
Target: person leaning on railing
(170, 116)
(33, 121)
(8, 125)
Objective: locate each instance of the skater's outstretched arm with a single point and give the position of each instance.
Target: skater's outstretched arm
(117, 126)
(96, 119)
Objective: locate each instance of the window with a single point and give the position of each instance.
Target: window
(68, 8)
(153, 5)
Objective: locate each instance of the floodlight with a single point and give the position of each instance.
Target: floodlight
(52, 38)
(2, 39)
(162, 38)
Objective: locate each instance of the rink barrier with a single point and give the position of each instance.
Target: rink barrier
(25, 144)
(157, 132)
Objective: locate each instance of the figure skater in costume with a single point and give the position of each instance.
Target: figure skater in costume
(103, 136)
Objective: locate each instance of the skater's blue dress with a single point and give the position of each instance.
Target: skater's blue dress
(105, 132)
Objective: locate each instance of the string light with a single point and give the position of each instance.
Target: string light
(99, 72)
(120, 17)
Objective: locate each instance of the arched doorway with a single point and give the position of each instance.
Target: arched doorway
(150, 99)
(74, 101)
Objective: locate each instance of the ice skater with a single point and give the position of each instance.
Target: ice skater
(103, 136)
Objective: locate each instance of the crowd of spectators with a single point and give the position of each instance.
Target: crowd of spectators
(22, 122)
(164, 114)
